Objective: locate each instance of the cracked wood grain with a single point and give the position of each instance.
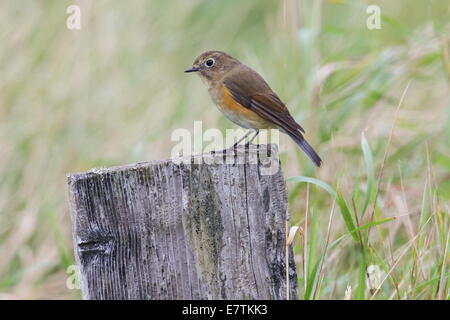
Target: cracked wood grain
(189, 230)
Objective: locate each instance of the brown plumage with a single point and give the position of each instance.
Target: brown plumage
(246, 99)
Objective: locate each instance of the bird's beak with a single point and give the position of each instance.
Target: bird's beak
(192, 69)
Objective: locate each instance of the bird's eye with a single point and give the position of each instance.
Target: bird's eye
(209, 63)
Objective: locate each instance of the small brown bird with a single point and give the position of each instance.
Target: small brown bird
(246, 99)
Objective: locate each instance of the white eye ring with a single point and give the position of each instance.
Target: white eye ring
(210, 62)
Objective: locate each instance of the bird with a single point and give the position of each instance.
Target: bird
(246, 99)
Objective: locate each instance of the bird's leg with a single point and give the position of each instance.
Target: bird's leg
(252, 138)
(256, 131)
(242, 138)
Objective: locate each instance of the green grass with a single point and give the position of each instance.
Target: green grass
(112, 93)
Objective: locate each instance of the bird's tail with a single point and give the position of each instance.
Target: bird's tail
(306, 147)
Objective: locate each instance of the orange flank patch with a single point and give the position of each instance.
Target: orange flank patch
(241, 115)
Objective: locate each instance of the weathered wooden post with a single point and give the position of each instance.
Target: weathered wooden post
(200, 227)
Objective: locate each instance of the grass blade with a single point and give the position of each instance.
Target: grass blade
(317, 182)
(347, 216)
(368, 158)
(372, 224)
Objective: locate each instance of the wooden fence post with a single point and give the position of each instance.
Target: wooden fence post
(205, 228)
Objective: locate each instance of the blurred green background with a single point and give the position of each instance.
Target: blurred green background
(112, 93)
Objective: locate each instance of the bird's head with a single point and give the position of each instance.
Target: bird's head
(213, 65)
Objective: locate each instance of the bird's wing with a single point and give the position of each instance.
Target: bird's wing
(250, 90)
